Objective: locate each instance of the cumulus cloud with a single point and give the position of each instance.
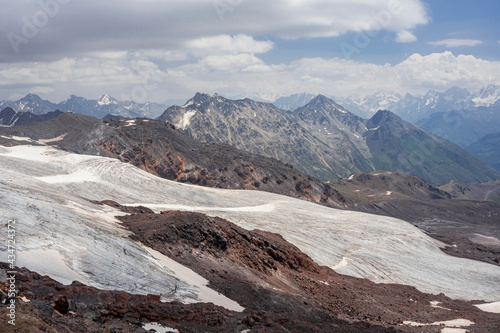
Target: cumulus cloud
(75, 28)
(456, 42)
(231, 44)
(244, 75)
(405, 36)
(183, 46)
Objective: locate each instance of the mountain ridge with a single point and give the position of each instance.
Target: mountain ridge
(162, 150)
(98, 108)
(325, 140)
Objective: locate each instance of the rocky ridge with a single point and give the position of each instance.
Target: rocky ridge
(325, 140)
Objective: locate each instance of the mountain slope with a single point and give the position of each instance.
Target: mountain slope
(325, 140)
(463, 127)
(340, 130)
(261, 128)
(52, 193)
(293, 102)
(488, 149)
(30, 103)
(160, 149)
(367, 106)
(471, 229)
(398, 145)
(489, 191)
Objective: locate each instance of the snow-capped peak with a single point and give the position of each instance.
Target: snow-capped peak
(487, 96)
(106, 100)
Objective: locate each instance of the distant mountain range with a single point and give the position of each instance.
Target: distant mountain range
(488, 149)
(9, 117)
(325, 140)
(455, 115)
(294, 101)
(96, 108)
(412, 108)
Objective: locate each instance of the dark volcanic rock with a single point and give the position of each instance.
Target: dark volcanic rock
(277, 282)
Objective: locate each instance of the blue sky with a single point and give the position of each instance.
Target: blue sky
(159, 50)
(460, 19)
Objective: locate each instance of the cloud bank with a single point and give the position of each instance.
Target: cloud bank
(157, 50)
(52, 29)
(242, 75)
(456, 42)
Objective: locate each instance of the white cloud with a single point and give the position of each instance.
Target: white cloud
(82, 27)
(405, 36)
(245, 75)
(231, 44)
(456, 42)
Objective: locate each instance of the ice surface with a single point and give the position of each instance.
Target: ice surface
(58, 216)
(61, 234)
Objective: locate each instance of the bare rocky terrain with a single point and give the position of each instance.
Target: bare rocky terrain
(324, 140)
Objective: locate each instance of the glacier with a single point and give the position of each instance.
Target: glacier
(62, 234)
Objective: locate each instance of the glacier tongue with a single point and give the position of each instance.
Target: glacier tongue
(57, 216)
(63, 235)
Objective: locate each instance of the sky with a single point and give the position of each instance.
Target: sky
(165, 51)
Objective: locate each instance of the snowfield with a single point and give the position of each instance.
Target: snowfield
(62, 234)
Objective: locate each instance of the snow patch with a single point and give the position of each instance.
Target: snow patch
(188, 103)
(486, 101)
(388, 192)
(187, 275)
(49, 262)
(490, 307)
(106, 100)
(186, 119)
(435, 304)
(159, 328)
(59, 138)
(343, 263)
(17, 138)
(130, 123)
(447, 323)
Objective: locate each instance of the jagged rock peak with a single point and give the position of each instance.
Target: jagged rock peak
(384, 116)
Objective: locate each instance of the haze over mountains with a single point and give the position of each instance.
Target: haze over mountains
(99, 108)
(455, 114)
